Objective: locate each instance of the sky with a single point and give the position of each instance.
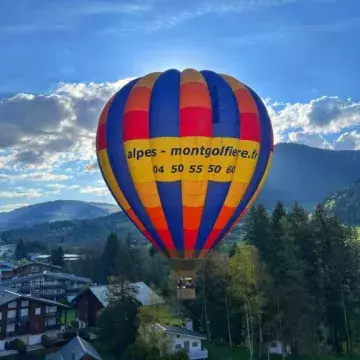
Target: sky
(61, 60)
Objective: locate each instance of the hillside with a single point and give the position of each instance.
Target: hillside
(308, 174)
(299, 172)
(76, 231)
(345, 203)
(52, 211)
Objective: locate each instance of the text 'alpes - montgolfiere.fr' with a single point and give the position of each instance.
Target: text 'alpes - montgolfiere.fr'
(185, 154)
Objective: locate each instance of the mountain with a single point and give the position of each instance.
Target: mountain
(51, 211)
(345, 203)
(75, 231)
(307, 175)
(298, 173)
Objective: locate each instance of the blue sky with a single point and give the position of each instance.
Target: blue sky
(60, 60)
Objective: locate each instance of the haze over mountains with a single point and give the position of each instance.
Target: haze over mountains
(299, 173)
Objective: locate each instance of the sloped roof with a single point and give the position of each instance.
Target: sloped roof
(145, 295)
(7, 295)
(56, 275)
(75, 349)
(140, 291)
(177, 330)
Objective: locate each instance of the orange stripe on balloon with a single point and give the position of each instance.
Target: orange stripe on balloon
(191, 76)
(136, 126)
(194, 94)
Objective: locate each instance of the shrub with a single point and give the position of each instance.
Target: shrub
(19, 346)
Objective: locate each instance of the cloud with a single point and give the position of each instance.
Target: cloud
(322, 116)
(37, 176)
(348, 140)
(42, 132)
(11, 207)
(29, 194)
(63, 186)
(314, 140)
(98, 190)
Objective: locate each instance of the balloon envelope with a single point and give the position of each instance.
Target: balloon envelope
(185, 154)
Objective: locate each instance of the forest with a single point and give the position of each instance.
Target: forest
(292, 276)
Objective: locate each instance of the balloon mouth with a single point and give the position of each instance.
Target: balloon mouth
(186, 267)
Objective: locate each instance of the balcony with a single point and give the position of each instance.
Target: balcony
(11, 320)
(198, 355)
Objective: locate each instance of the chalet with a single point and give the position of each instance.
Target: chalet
(27, 318)
(33, 268)
(49, 285)
(184, 338)
(75, 349)
(6, 269)
(96, 298)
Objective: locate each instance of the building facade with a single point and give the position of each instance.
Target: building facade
(93, 299)
(27, 318)
(49, 285)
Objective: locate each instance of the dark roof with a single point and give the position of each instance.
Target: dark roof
(140, 291)
(57, 275)
(177, 330)
(7, 264)
(76, 347)
(8, 295)
(39, 263)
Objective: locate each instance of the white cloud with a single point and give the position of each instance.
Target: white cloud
(29, 194)
(37, 176)
(348, 140)
(40, 132)
(11, 207)
(321, 116)
(63, 186)
(95, 190)
(314, 140)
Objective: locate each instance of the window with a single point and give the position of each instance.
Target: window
(10, 327)
(11, 314)
(195, 344)
(38, 311)
(177, 347)
(12, 305)
(25, 303)
(0, 315)
(273, 344)
(24, 312)
(51, 309)
(50, 321)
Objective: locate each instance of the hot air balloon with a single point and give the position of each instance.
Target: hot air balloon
(185, 154)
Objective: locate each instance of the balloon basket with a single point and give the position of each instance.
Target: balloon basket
(186, 294)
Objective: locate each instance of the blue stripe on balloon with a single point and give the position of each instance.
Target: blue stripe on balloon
(118, 162)
(165, 122)
(225, 113)
(265, 147)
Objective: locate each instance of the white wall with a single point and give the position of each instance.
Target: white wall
(35, 339)
(181, 341)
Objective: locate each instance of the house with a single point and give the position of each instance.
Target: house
(95, 298)
(49, 285)
(33, 268)
(277, 347)
(75, 349)
(27, 318)
(6, 270)
(184, 338)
